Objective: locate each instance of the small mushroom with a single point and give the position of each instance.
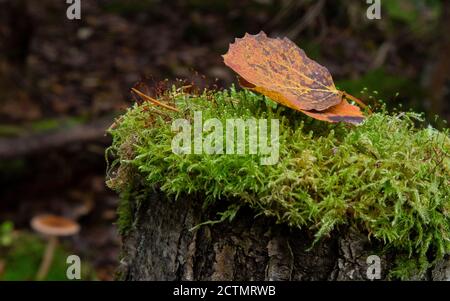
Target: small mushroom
(52, 226)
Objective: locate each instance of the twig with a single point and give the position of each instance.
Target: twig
(22, 146)
(154, 101)
(381, 55)
(307, 20)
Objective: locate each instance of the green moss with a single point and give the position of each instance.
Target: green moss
(389, 176)
(125, 217)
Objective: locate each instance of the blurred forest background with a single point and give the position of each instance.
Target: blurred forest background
(62, 83)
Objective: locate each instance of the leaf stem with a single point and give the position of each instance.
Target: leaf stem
(358, 101)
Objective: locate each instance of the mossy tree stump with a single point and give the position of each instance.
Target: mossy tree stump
(160, 246)
(338, 195)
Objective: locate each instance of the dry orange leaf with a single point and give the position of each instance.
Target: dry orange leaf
(280, 70)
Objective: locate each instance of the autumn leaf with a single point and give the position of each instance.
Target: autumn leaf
(280, 70)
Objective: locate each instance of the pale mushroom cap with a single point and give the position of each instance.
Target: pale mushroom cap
(53, 225)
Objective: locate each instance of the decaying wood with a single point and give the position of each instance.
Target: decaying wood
(38, 143)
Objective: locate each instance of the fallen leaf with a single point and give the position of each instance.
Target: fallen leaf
(342, 112)
(280, 70)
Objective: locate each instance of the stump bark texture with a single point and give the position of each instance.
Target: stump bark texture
(160, 246)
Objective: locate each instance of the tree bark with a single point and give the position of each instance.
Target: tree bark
(161, 246)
